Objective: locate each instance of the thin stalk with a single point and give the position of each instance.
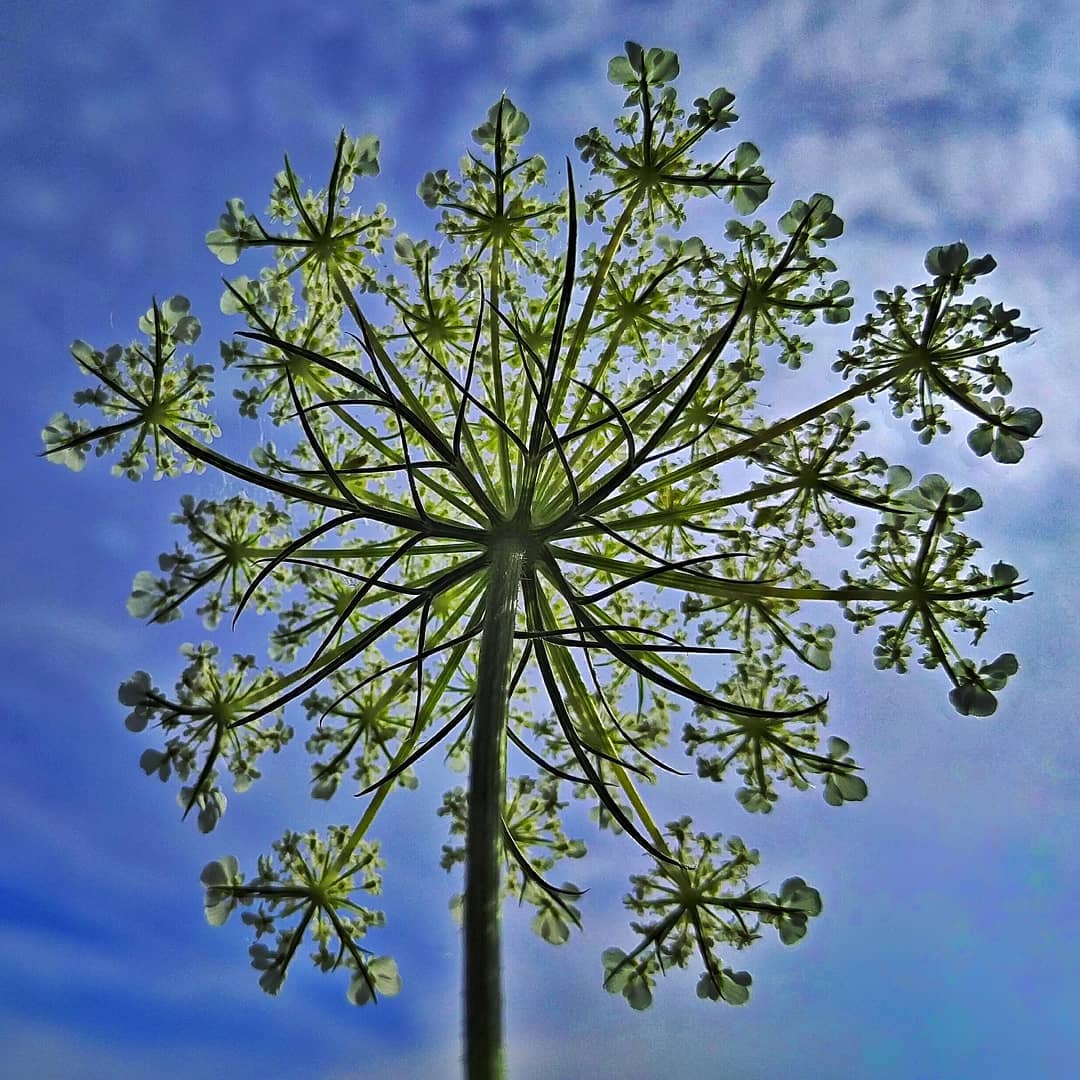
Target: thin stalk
(484, 1056)
(866, 388)
(499, 393)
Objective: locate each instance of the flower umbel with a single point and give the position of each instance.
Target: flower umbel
(537, 512)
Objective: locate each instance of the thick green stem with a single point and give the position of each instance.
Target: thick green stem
(484, 1058)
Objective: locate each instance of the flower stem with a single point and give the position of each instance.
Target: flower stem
(484, 1057)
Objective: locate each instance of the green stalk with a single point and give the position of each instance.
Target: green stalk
(484, 1056)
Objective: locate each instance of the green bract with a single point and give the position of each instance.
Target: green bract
(523, 507)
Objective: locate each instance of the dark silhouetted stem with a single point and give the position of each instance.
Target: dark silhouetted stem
(484, 1057)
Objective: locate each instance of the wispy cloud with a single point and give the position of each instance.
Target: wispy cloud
(1001, 180)
(66, 629)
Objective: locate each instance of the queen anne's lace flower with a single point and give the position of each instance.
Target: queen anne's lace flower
(464, 545)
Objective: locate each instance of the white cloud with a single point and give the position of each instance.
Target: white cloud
(865, 170)
(65, 630)
(883, 53)
(900, 51)
(1000, 181)
(35, 200)
(1006, 180)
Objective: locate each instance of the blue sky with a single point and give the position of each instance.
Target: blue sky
(948, 945)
